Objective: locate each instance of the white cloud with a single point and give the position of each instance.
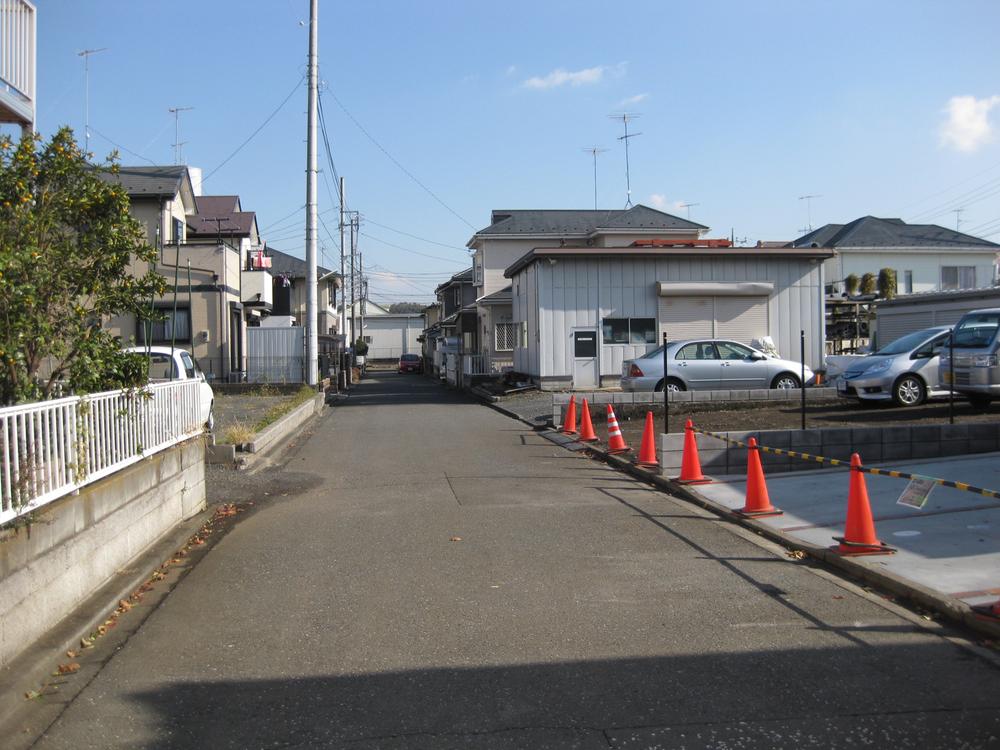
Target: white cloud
(632, 100)
(586, 77)
(661, 203)
(968, 126)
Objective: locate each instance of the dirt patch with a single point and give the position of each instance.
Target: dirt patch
(744, 416)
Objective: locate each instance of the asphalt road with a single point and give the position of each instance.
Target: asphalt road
(437, 575)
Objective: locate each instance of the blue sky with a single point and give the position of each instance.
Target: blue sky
(882, 108)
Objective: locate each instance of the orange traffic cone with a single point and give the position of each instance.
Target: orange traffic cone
(757, 501)
(587, 434)
(690, 463)
(569, 424)
(859, 529)
(616, 443)
(647, 450)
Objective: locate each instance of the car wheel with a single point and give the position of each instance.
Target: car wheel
(785, 381)
(909, 390)
(673, 385)
(981, 403)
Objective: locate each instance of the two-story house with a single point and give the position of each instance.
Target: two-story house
(289, 293)
(514, 233)
(926, 257)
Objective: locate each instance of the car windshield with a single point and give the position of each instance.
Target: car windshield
(906, 343)
(976, 330)
(409, 358)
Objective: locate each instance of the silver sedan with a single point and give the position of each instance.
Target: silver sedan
(904, 372)
(710, 364)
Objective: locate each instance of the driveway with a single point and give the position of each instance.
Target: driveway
(440, 576)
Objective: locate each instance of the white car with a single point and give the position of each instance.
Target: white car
(166, 363)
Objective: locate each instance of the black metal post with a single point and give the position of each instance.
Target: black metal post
(951, 378)
(666, 390)
(802, 374)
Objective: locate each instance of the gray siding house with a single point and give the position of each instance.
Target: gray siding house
(581, 311)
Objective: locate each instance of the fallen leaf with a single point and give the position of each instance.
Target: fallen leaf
(795, 554)
(838, 597)
(71, 654)
(32, 695)
(69, 668)
(455, 539)
(124, 605)
(87, 642)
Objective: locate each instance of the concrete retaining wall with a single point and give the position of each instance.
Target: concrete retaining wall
(873, 444)
(77, 543)
(286, 424)
(559, 400)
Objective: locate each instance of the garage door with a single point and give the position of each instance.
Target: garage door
(738, 318)
(891, 327)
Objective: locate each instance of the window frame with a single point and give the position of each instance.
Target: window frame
(162, 325)
(649, 337)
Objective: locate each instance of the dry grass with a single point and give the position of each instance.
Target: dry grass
(238, 432)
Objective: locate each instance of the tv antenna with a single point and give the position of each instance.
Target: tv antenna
(808, 200)
(176, 112)
(626, 117)
(594, 151)
(86, 95)
(688, 207)
(958, 217)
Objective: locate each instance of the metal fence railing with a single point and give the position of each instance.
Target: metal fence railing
(51, 448)
(485, 364)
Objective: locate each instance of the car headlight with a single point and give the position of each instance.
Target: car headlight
(882, 366)
(985, 360)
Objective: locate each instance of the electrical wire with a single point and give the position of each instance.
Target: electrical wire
(413, 236)
(408, 250)
(255, 132)
(121, 147)
(283, 219)
(403, 169)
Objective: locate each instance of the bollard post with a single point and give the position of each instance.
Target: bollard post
(802, 375)
(666, 392)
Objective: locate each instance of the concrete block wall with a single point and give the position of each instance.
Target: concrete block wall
(77, 543)
(873, 444)
(616, 398)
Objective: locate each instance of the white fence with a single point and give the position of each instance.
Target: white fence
(51, 448)
(276, 355)
(484, 364)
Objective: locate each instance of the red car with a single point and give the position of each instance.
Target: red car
(411, 363)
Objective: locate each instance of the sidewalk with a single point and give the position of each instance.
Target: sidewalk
(952, 545)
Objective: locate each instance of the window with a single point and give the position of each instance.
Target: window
(168, 329)
(505, 336)
(160, 367)
(958, 277)
(189, 367)
(478, 264)
(732, 351)
(907, 282)
(629, 330)
(700, 350)
(178, 231)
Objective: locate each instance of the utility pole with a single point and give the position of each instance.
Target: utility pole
(354, 330)
(625, 117)
(86, 95)
(312, 214)
(362, 293)
(594, 151)
(343, 275)
(176, 112)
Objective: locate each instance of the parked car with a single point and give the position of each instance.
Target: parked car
(166, 363)
(904, 372)
(411, 363)
(710, 364)
(977, 374)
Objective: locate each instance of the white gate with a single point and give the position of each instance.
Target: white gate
(276, 355)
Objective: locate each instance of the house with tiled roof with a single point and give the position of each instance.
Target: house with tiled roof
(926, 257)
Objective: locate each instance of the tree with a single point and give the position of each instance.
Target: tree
(887, 283)
(67, 245)
(398, 308)
(868, 283)
(851, 284)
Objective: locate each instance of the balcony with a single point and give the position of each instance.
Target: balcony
(17, 62)
(257, 289)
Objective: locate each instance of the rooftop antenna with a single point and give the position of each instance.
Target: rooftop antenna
(180, 150)
(86, 96)
(958, 217)
(808, 200)
(626, 117)
(176, 112)
(688, 207)
(594, 151)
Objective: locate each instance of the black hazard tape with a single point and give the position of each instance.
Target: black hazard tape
(963, 486)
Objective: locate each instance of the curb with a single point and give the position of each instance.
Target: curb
(274, 433)
(952, 609)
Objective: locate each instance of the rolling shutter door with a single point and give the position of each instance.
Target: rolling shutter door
(738, 318)
(741, 319)
(891, 327)
(685, 317)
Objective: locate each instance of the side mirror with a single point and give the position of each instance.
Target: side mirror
(757, 356)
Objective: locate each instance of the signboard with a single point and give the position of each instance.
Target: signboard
(916, 493)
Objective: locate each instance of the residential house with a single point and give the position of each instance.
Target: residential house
(926, 257)
(289, 293)
(580, 311)
(17, 64)
(512, 234)
(458, 320)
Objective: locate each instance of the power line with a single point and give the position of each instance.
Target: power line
(122, 148)
(283, 218)
(949, 189)
(254, 133)
(403, 169)
(413, 236)
(408, 250)
(965, 199)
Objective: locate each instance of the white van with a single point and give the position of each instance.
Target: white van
(975, 342)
